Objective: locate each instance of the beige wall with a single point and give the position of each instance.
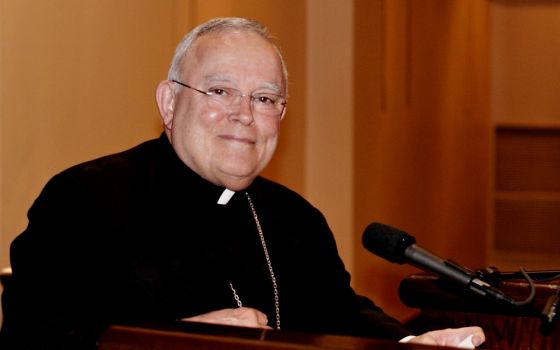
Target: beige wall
(77, 83)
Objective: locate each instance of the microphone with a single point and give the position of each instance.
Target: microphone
(399, 247)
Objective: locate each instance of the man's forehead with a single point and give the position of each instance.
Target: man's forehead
(212, 48)
(225, 38)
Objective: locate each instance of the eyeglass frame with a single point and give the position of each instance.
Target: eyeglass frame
(241, 95)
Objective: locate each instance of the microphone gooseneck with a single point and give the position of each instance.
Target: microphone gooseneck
(399, 247)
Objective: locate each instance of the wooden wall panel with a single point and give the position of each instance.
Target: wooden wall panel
(422, 132)
(526, 130)
(526, 230)
(528, 225)
(524, 60)
(527, 159)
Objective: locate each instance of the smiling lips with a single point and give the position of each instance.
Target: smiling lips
(238, 139)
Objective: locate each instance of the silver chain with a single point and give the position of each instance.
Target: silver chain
(268, 262)
(235, 296)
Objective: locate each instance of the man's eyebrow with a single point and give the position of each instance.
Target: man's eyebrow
(273, 86)
(228, 79)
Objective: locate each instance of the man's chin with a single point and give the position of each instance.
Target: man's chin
(237, 185)
(236, 181)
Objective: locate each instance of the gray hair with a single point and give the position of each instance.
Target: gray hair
(218, 25)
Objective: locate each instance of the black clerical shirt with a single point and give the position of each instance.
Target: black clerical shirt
(138, 236)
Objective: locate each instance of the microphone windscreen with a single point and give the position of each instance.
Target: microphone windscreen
(387, 242)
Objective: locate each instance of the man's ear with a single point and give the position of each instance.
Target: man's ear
(165, 98)
(283, 113)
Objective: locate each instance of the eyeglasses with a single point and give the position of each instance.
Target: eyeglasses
(263, 103)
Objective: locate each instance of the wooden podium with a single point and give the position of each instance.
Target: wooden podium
(199, 336)
(443, 305)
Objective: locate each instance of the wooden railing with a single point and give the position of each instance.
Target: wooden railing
(189, 336)
(506, 326)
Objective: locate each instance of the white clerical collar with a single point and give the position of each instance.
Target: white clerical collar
(225, 197)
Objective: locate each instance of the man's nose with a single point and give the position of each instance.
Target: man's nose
(242, 108)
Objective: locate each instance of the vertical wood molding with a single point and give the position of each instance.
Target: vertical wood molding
(383, 54)
(408, 13)
(469, 46)
(4, 238)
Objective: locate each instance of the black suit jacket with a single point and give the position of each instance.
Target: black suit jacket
(138, 236)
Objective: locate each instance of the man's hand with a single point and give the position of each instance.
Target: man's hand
(242, 316)
(466, 337)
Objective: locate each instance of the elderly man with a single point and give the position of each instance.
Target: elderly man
(183, 228)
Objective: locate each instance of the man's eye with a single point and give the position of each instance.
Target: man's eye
(219, 91)
(265, 99)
